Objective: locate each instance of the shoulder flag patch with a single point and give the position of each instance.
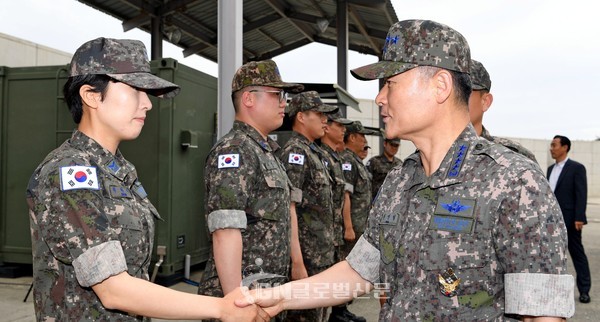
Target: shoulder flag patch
(229, 160)
(78, 177)
(296, 158)
(347, 166)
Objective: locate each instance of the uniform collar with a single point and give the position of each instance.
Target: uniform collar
(331, 152)
(486, 134)
(453, 165)
(268, 145)
(114, 164)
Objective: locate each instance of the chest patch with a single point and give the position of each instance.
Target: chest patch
(295, 158)
(78, 177)
(453, 214)
(119, 192)
(347, 166)
(229, 161)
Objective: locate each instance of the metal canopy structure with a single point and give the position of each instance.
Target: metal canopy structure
(270, 27)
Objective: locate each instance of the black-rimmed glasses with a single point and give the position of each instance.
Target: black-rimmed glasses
(282, 94)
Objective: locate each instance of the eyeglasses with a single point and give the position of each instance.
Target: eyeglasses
(283, 96)
(395, 145)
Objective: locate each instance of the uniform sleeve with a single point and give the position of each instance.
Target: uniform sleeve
(76, 229)
(530, 237)
(350, 173)
(295, 161)
(229, 177)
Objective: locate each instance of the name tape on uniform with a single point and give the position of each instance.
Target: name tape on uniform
(78, 177)
(296, 158)
(229, 161)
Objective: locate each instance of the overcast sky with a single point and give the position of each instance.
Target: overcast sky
(542, 55)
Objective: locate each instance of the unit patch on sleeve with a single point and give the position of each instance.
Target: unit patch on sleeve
(229, 161)
(296, 158)
(78, 177)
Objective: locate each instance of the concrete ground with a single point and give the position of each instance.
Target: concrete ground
(13, 291)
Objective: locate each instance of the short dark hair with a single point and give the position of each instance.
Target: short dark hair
(564, 141)
(99, 84)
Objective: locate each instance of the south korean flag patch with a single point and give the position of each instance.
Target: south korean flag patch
(78, 177)
(229, 161)
(347, 166)
(296, 158)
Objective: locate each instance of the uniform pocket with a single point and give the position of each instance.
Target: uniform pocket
(461, 251)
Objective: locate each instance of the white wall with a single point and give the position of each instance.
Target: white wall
(16, 52)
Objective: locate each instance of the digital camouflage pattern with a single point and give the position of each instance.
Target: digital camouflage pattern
(261, 73)
(257, 189)
(357, 127)
(315, 210)
(308, 101)
(338, 188)
(338, 117)
(360, 197)
(512, 145)
(81, 237)
(486, 213)
(480, 78)
(412, 43)
(379, 166)
(125, 60)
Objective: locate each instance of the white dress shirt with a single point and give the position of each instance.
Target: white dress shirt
(556, 170)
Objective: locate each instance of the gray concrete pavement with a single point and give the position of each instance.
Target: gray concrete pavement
(13, 291)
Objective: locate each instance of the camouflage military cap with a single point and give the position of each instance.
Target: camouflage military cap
(338, 118)
(308, 101)
(412, 43)
(357, 127)
(261, 73)
(124, 60)
(394, 141)
(479, 76)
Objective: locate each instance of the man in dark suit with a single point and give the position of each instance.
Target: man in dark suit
(568, 181)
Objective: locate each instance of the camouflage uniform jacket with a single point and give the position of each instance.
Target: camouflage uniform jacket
(305, 167)
(489, 215)
(512, 145)
(379, 166)
(359, 179)
(339, 187)
(247, 188)
(101, 227)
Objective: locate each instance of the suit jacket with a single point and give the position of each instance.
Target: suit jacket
(571, 191)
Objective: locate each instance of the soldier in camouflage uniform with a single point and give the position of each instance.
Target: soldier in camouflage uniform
(480, 101)
(306, 167)
(466, 229)
(247, 189)
(333, 144)
(379, 166)
(359, 179)
(92, 225)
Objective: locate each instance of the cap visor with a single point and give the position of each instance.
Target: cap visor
(382, 69)
(328, 108)
(153, 85)
(289, 87)
(343, 121)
